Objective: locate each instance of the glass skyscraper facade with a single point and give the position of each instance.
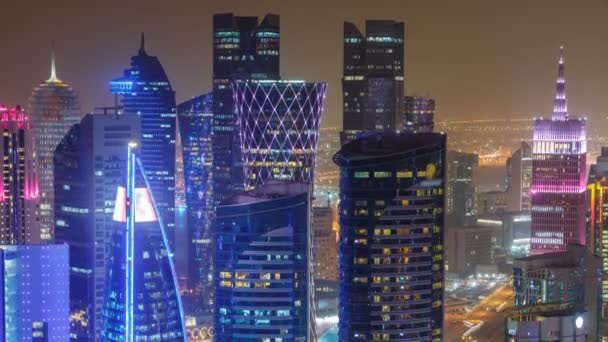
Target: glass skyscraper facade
(392, 237)
(53, 108)
(242, 50)
(418, 113)
(89, 163)
(279, 127)
(35, 283)
(461, 195)
(597, 218)
(19, 195)
(142, 301)
(195, 121)
(262, 266)
(559, 154)
(373, 74)
(146, 92)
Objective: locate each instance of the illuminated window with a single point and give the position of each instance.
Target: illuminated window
(404, 174)
(225, 283)
(361, 174)
(360, 261)
(382, 174)
(405, 203)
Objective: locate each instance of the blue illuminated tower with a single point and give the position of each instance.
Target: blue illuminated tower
(263, 283)
(146, 92)
(142, 299)
(195, 128)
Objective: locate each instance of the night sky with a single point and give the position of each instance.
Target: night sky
(479, 59)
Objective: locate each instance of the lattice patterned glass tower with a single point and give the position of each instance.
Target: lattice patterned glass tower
(279, 125)
(558, 176)
(53, 108)
(20, 196)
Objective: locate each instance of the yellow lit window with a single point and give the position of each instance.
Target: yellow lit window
(382, 174)
(386, 232)
(225, 283)
(404, 174)
(360, 261)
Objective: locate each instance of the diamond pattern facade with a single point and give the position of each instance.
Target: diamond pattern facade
(279, 126)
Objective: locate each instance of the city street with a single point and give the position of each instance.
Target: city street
(492, 329)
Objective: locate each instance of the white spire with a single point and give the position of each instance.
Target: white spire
(53, 78)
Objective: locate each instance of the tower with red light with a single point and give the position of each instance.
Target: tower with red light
(19, 196)
(558, 176)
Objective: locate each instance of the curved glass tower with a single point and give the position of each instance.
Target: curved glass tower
(53, 108)
(279, 125)
(262, 266)
(391, 237)
(142, 297)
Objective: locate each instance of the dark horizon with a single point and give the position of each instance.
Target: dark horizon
(478, 59)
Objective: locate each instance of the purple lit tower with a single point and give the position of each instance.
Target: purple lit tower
(279, 126)
(558, 177)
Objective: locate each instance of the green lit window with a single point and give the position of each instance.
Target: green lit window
(361, 174)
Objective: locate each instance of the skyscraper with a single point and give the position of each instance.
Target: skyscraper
(242, 50)
(195, 127)
(392, 237)
(418, 114)
(460, 188)
(325, 246)
(53, 108)
(20, 196)
(35, 293)
(279, 127)
(372, 85)
(262, 267)
(519, 175)
(597, 224)
(142, 300)
(558, 176)
(89, 162)
(146, 92)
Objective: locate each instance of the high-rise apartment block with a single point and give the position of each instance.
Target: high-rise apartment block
(19, 195)
(242, 50)
(53, 108)
(392, 237)
(372, 82)
(89, 163)
(558, 176)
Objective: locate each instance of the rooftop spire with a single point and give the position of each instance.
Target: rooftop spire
(560, 105)
(142, 50)
(53, 77)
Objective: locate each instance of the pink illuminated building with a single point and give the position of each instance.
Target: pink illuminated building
(558, 177)
(19, 195)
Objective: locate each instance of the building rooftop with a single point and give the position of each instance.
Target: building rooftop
(376, 146)
(270, 191)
